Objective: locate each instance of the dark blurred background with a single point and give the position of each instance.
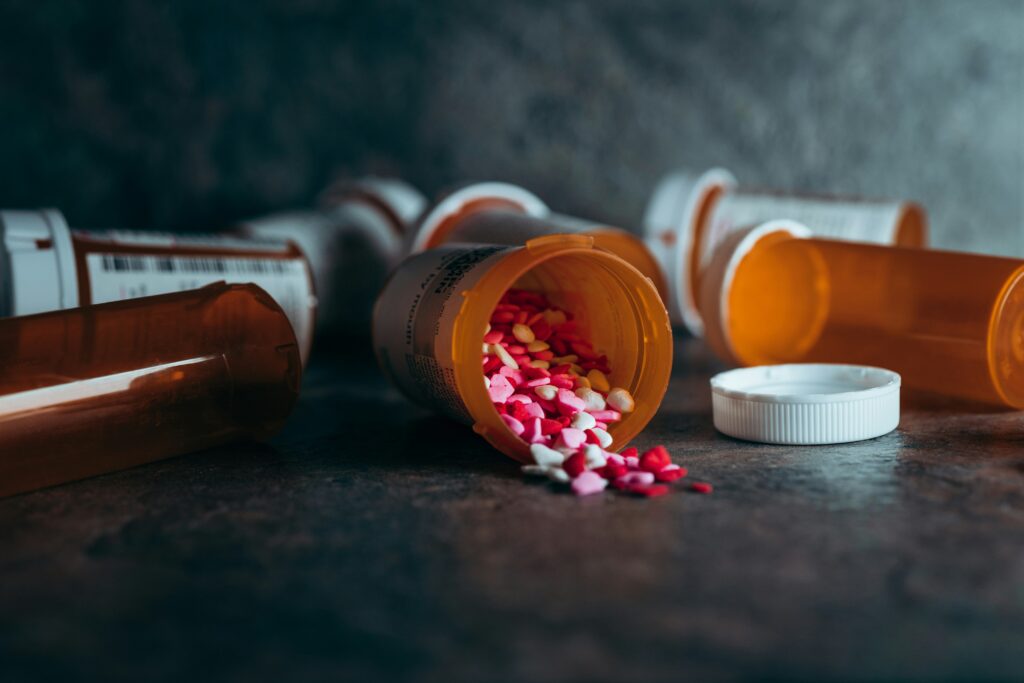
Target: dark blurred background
(191, 114)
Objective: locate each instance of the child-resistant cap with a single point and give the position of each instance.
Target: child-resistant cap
(467, 199)
(806, 403)
(671, 223)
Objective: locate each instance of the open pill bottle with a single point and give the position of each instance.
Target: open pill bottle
(500, 213)
(431, 317)
(689, 215)
(947, 322)
(100, 388)
(46, 266)
(353, 241)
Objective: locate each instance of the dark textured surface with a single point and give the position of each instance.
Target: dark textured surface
(373, 542)
(192, 114)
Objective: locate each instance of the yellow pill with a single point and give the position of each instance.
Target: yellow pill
(598, 380)
(523, 333)
(538, 345)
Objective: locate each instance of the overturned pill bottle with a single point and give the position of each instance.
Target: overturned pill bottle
(501, 213)
(91, 390)
(46, 266)
(949, 323)
(352, 240)
(689, 215)
(431, 318)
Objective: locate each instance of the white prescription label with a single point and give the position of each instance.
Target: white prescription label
(844, 219)
(136, 238)
(119, 276)
(415, 317)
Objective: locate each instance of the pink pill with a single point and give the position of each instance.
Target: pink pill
(500, 389)
(514, 376)
(520, 398)
(607, 415)
(633, 478)
(615, 458)
(534, 410)
(632, 462)
(515, 425)
(539, 382)
(568, 403)
(587, 483)
(562, 381)
(571, 438)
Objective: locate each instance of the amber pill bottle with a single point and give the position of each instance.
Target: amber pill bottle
(100, 388)
(947, 322)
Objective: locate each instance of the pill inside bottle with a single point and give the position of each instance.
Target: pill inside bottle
(431, 318)
(106, 387)
(689, 215)
(948, 322)
(500, 213)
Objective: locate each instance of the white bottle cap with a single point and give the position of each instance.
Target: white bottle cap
(37, 263)
(400, 202)
(670, 225)
(717, 278)
(514, 196)
(806, 403)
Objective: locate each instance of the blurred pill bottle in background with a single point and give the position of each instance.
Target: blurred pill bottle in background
(431, 317)
(47, 266)
(500, 213)
(105, 387)
(947, 322)
(689, 215)
(353, 241)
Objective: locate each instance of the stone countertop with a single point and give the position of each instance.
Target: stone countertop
(371, 541)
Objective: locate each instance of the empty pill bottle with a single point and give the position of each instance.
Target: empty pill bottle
(689, 215)
(950, 323)
(101, 388)
(352, 240)
(501, 213)
(48, 266)
(431, 317)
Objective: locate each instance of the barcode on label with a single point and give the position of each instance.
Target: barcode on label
(121, 263)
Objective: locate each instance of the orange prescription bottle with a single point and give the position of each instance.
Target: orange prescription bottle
(950, 323)
(100, 388)
(689, 215)
(431, 317)
(353, 240)
(47, 266)
(499, 213)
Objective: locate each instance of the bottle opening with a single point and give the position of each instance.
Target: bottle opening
(778, 301)
(616, 308)
(1006, 342)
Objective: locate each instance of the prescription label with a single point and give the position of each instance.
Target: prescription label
(845, 219)
(220, 243)
(115, 276)
(415, 318)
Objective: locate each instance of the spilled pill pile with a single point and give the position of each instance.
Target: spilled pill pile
(551, 389)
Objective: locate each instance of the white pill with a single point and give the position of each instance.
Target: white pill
(506, 358)
(604, 437)
(547, 392)
(558, 474)
(583, 420)
(591, 399)
(594, 456)
(621, 400)
(535, 470)
(544, 456)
